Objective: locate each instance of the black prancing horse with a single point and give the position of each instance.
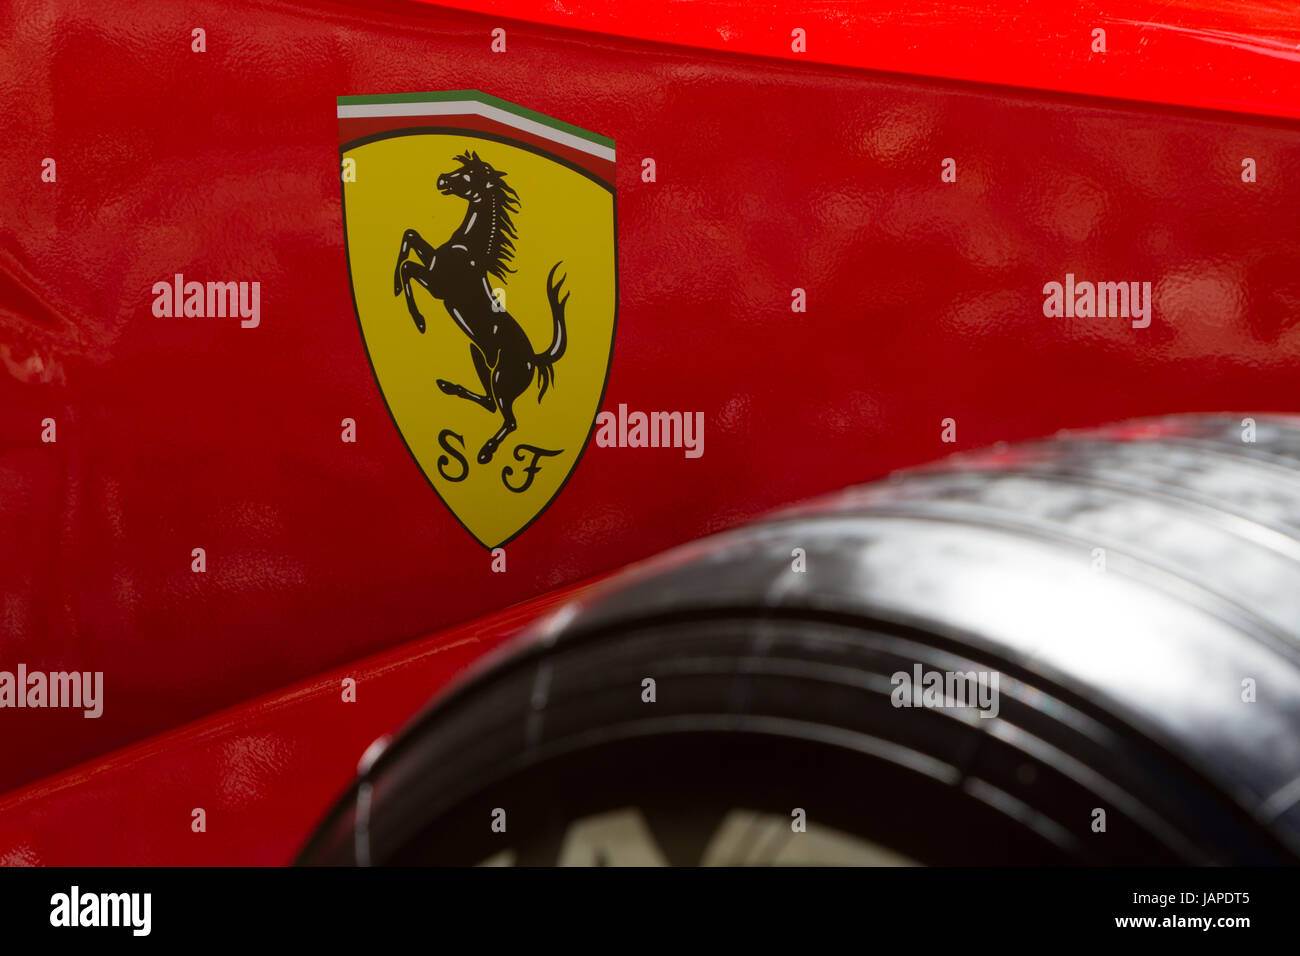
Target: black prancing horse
(457, 273)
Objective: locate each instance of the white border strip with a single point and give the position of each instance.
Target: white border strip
(461, 107)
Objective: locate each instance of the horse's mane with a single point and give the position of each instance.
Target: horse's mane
(500, 248)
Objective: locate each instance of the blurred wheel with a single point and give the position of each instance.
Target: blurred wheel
(1078, 650)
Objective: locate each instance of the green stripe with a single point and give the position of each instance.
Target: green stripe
(453, 95)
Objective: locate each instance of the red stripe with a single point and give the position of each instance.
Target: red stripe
(353, 128)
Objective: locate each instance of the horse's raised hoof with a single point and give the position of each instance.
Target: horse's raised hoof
(419, 322)
(397, 280)
(448, 387)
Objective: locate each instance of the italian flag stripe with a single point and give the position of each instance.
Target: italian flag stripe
(474, 103)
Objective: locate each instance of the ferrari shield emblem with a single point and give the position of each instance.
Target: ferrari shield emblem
(481, 247)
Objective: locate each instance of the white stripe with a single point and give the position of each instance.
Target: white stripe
(461, 107)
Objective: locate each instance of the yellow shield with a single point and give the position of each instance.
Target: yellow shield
(481, 244)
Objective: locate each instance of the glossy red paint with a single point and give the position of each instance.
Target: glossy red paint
(263, 772)
(924, 303)
(1239, 55)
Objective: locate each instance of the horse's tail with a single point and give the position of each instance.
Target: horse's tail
(545, 361)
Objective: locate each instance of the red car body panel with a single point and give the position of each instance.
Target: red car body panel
(263, 772)
(775, 171)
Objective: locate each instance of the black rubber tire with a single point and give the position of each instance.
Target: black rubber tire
(1126, 585)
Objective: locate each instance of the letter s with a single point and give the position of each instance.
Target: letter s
(443, 460)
